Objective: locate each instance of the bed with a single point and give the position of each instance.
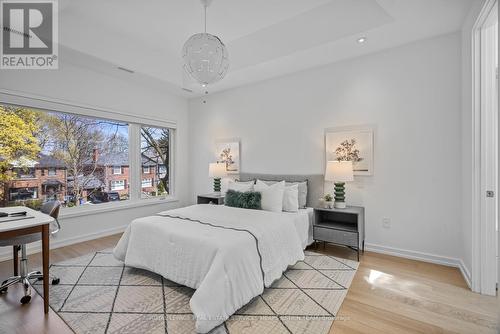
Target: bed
(228, 255)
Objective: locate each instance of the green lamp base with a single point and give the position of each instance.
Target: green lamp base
(339, 191)
(216, 185)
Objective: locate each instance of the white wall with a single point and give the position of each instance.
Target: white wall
(411, 94)
(83, 86)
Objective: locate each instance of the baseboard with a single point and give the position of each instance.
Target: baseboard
(465, 273)
(421, 256)
(36, 247)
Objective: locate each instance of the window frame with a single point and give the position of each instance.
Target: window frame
(149, 185)
(35, 191)
(122, 182)
(28, 173)
(135, 132)
(21, 99)
(116, 167)
(54, 169)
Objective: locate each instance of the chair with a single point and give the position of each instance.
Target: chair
(19, 243)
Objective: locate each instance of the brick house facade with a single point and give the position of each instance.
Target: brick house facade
(117, 179)
(43, 179)
(48, 178)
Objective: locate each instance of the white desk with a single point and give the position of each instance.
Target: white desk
(39, 223)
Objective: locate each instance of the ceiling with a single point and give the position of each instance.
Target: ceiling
(265, 38)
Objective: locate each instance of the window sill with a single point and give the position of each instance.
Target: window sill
(108, 207)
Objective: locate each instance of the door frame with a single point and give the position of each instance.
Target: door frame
(484, 250)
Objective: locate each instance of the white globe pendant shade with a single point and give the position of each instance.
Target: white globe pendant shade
(205, 58)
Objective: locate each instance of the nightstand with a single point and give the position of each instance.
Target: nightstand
(217, 199)
(345, 227)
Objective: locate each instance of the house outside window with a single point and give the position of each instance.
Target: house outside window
(146, 169)
(24, 173)
(21, 194)
(118, 185)
(146, 183)
(52, 171)
(117, 170)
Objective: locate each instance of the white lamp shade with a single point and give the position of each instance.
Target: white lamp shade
(216, 170)
(339, 171)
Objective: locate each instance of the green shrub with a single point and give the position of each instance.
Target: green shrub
(34, 204)
(161, 188)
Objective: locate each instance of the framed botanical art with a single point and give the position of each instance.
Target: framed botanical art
(228, 152)
(351, 144)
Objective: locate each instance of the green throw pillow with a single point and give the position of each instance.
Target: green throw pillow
(245, 200)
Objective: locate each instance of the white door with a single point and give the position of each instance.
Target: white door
(489, 153)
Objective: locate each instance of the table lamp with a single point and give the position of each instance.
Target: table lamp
(217, 171)
(339, 172)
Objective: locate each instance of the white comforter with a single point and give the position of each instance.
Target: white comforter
(228, 262)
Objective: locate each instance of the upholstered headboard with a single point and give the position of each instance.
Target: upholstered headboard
(315, 183)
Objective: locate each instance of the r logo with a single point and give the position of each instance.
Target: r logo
(27, 28)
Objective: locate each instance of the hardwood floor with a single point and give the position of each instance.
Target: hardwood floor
(388, 295)
(30, 319)
(396, 295)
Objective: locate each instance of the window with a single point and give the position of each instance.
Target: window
(117, 170)
(74, 150)
(155, 152)
(24, 172)
(80, 159)
(147, 183)
(117, 185)
(23, 194)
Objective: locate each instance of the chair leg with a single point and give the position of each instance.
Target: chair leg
(16, 259)
(10, 281)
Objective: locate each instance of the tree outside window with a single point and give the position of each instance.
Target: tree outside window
(155, 151)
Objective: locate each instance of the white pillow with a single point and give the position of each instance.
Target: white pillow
(291, 198)
(272, 196)
(302, 190)
(240, 186)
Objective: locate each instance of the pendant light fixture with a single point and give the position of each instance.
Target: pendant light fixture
(205, 56)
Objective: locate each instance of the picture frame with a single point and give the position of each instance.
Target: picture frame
(351, 143)
(228, 151)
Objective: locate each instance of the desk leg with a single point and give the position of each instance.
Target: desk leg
(16, 259)
(45, 255)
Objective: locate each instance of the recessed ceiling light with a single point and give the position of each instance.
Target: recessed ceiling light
(361, 39)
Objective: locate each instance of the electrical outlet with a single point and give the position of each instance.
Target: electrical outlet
(386, 222)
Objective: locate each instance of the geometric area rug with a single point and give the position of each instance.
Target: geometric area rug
(99, 295)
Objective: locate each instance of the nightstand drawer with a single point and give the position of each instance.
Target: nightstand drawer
(335, 236)
(216, 199)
